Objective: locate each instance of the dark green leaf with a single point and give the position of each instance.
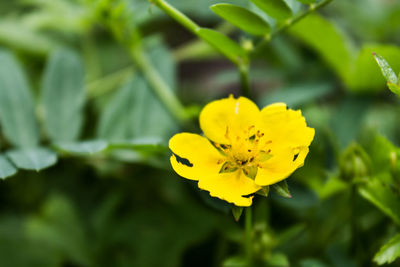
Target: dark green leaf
(282, 189)
(83, 148)
(222, 43)
(387, 71)
(17, 114)
(383, 196)
(389, 252)
(242, 18)
(325, 38)
(6, 168)
(58, 228)
(63, 95)
(32, 158)
(237, 212)
(277, 9)
(297, 95)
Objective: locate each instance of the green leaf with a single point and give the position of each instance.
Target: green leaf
(307, 1)
(382, 196)
(222, 43)
(394, 88)
(63, 95)
(264, 191)
(237, 212)
(235, 261)
(83, 148)
(277, 9)
(325, 38)
(242, 18)
(59, 230)
(297, 95)
(17, 114)
(282, 189)
(32, 158)
(15, 34)
(387, 71)
(389, 252)
(366, 75)
(6, 168)
(146, 144)
(278, 260)
(134, 111)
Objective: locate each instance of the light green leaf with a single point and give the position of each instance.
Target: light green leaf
(366, 76)
(83, 148)
(387, 71)
(222, 43)
(282, 189)
(17, 115)
(242, 18)
(6, 168)
(63, 95)
(278, 260)
(235, 261)
(13, 33)
(325, 38)
(394, 88)
(277, 9)
(382, 196)
(389, 252)
(32, 158)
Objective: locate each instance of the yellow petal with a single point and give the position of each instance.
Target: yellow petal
(236, 115)
(197, 152)
(285, 127)
(231, 187)
(281, 165)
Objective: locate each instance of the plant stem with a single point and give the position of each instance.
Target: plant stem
(160, 88)
(248, 235)
(292, 21)
(177, 15)
(245, 80)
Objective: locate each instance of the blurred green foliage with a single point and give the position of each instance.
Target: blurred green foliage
(79, 103)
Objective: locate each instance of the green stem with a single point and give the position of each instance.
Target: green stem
(292, 21)
(248, 235)
(177, 15)
(245, 80)
(130, 37)
(159, 86)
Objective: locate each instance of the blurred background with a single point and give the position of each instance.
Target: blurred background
(123, 205)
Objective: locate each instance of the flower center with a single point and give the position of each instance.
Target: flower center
(245, 151)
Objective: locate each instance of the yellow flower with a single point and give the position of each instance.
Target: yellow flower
(243, 148)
